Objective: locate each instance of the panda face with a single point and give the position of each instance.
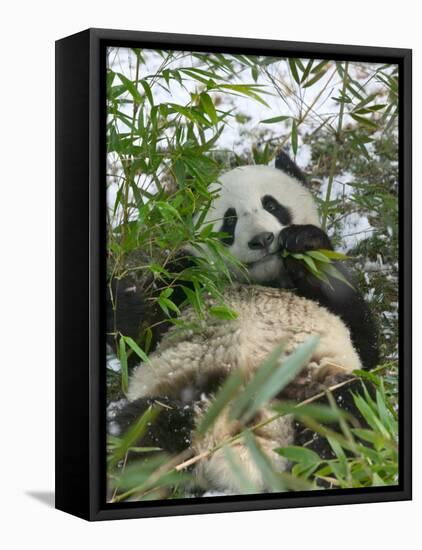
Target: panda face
(254, 204)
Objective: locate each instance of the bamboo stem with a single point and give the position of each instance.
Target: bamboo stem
(336, 151)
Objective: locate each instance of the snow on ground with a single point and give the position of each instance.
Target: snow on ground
(354, 226)
(112, 362)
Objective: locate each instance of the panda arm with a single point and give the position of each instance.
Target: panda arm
(130, 311)
(341, 299)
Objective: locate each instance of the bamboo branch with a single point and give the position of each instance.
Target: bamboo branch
(336, 151)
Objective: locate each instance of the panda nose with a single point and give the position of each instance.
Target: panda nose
(262, 240)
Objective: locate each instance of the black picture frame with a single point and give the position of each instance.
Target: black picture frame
(80, 268)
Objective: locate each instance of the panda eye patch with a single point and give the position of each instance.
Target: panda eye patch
(270, 205)
(282, 213)
(229, 224)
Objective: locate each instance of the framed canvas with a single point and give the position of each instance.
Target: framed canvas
(233, 274)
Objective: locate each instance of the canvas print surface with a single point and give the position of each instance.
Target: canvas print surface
(252, 275)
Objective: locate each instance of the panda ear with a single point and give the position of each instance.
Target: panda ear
(284, 163)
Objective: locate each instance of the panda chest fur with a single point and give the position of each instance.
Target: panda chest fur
(266, 317)
(188, 366)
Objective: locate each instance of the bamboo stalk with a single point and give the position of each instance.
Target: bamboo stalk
(336, 151)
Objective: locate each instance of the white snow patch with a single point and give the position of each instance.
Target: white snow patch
(113, 363)
(355, 227)
(114, 407)
(217, 494)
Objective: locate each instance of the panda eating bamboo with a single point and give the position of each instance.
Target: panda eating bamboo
(262, 211)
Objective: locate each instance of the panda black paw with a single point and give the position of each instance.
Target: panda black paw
(344, 396)
(331, 375)
(300, 238)
(170, 431)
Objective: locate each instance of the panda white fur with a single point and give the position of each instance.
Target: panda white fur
(186, 360)
(260, 209)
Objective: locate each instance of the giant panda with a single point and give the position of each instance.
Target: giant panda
(260, 210)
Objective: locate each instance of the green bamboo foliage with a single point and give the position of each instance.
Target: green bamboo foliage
(168, 117)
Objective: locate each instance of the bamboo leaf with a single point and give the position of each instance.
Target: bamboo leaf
(302, 455)
(123, 365)
(208, 106)
(195, 70)
(319, 67)
(166, 293)
(272, 378)
(262, 374)
(274, 119)
(294, 137)
(318, 255)
(283, 375)
(133, 434)
(314, 79)
(148, 91)
(316, 411)
(245, 89)
(273, 482)
(134, 347)
(225, 394)
(307, 70)
(310, 262)
(131, 88)
(365, 121)
(223, 312)
(369, 415)
(331, 271)
(369, 109)
(333, 255)
(246, 486)
(293, 70)
(169, 304)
